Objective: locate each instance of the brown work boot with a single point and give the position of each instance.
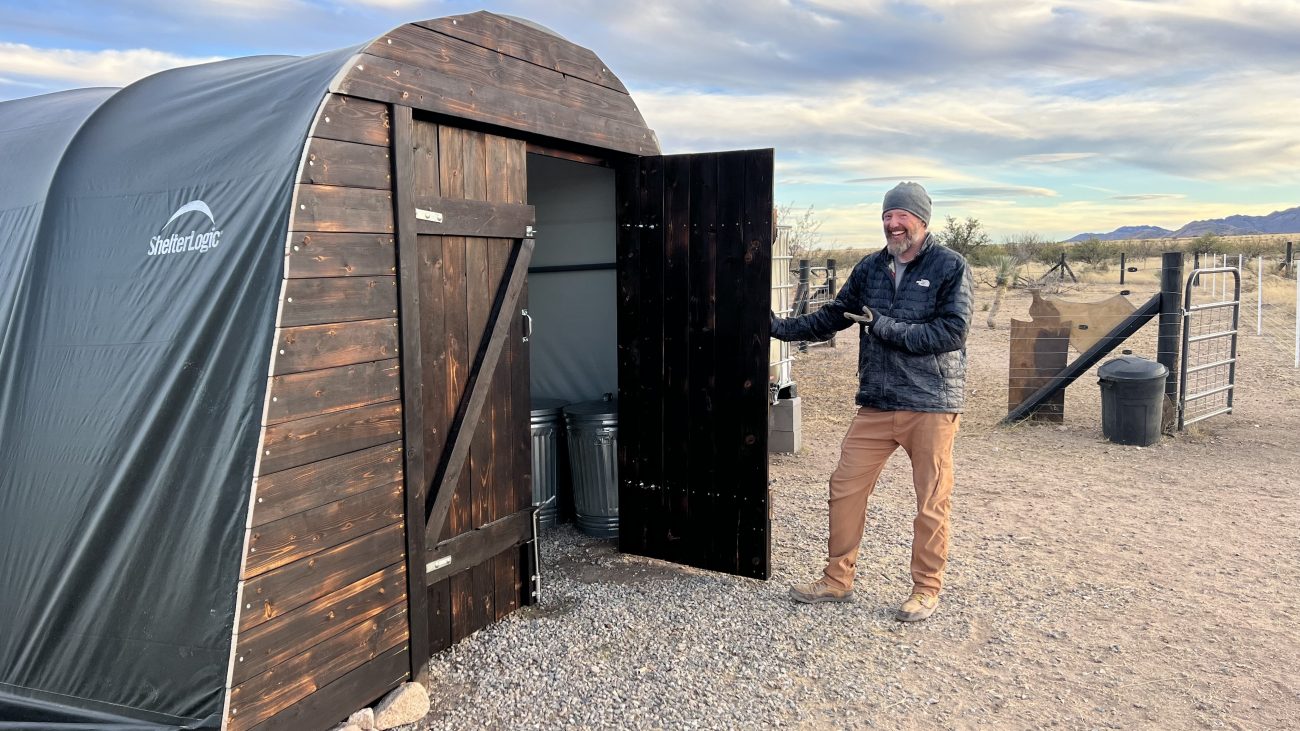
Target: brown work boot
(916, 608)
(819, 591)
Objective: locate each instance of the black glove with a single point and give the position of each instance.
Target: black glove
(866, 319)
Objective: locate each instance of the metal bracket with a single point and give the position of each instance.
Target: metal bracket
(435, 565)
(530, 232)
(424, 215)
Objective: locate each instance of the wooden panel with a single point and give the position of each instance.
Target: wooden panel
(650, 403)
(444, 55)
(675, 497)
(485, 594)
(702, 462)
(357, 689)
(312, 347)
(462, 606)
(289, 539)
(289, 587)
(293, 491)
(274, 642)
(1039, 351)
(506, 567)
(314, 254)
(329, 208)
(334, 162)
(451, 150)
(400, 83)
(353, 120)
(439, 616)
(338, 299)
(628, 243)
(413, 387)
(530, 44)
(470, 549)
(299, 395)
(261, 697)
(476, 218)
(301, 441)
(516, 176)
(721, 552)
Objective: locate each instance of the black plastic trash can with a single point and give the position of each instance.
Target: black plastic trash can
(1132, 398)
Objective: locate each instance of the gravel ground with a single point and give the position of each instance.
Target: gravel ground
(1090, 586)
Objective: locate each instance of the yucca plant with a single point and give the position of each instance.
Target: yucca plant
(1005, 271)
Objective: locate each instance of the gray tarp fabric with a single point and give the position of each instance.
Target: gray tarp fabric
(142, 235)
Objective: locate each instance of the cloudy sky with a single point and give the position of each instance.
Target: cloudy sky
(1050, 117)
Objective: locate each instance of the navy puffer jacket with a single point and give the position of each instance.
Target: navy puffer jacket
(914, 356)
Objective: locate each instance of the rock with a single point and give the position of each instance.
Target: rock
(363, 719)
(348, 727)
(408, 704)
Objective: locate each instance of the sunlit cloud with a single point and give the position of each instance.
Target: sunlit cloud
(88, 68)
(1147, 196)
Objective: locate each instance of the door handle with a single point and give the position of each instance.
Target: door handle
(528, 325)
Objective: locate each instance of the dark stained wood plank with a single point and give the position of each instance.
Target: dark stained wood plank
(754, 540)
(424, 144)
(485, 594)
(357, 689)
(338, 299)
(674, 498)
(313, 254)
(462, 606)
(434, 342)
(262, 696)
(451, 178)
(627, 186)
(271, 643)
(722, 554)
(315, 438)
(439, 598)
(447, 56)
(506, 568)
(475, 218)
(413, 387)
(401, 83)
(702, 458)
(312, 393)
(284, 541)
(273, 594)
(313, 347)
(479, 294)
(353, 120)
(470, 409)
(535, 148)
(349, 164)
(516, 177)
(293, 491)
(470, 549)
(330, 208)
(503, 434)
(527, 43)
(650, 410)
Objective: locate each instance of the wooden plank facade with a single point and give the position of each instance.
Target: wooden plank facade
(386, 317)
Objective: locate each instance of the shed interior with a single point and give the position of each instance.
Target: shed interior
(572, 284)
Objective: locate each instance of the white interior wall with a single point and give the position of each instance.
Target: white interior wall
(575, 338)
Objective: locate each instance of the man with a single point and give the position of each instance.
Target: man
(912, 303)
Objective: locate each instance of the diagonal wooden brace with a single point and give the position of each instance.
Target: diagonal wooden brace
(476, 392)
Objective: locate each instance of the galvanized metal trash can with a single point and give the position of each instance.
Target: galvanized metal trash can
(1132, 399)
(547, 427)
(593, 455)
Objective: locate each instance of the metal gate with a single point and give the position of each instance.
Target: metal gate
(1208, 373)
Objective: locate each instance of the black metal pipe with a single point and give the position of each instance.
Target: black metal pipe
(1171, 323)
(1121, 267)
(573, 268)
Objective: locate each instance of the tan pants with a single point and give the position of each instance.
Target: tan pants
(872, 438)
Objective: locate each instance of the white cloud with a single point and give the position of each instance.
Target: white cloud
(88, 68)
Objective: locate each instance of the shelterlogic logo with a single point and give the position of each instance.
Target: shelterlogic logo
(194, 241)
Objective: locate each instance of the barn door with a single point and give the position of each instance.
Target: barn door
(464, 247)
(694, 268)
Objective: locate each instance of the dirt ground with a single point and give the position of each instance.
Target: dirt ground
(1090, 585)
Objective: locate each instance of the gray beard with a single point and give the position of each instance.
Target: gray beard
(897, 248)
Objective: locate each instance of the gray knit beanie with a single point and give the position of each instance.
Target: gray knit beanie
(910, 197)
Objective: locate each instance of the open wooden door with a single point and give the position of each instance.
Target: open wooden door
(694, 268)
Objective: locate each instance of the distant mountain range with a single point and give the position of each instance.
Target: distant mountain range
(1277, 222)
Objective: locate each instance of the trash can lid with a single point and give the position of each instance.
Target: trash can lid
(547, 406)
(599, 407)
(1131, 368)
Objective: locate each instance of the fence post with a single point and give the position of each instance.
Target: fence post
(1121, 267)
(832, 286)
(1259, 288)
(1286, 262)
(1297, 319)
(1171, 323)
